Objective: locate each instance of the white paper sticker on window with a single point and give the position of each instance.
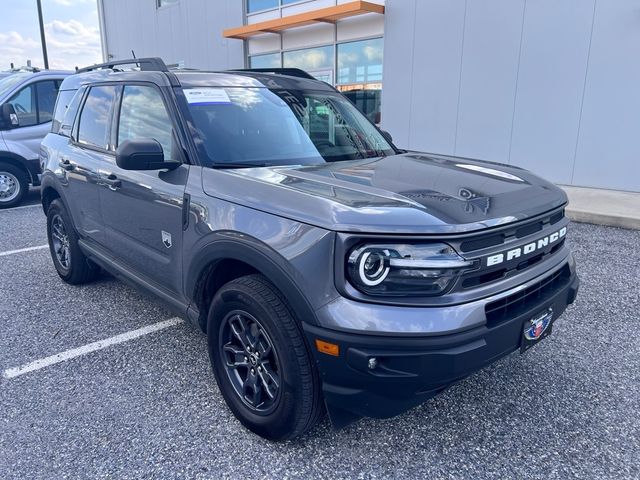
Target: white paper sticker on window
(206, 96)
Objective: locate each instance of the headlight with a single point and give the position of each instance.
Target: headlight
(412, 270)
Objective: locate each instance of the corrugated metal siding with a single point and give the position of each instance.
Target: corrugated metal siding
(551, 85)
(189, 31)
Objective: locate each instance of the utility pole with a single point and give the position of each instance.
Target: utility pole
(42, 39)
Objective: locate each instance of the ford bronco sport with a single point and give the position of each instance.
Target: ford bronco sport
(27, 98)
(330, 270)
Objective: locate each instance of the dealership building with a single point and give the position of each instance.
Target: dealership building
(549, 85)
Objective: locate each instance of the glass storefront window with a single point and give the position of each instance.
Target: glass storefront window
(256, 5)
(360, 62)
(269, 60)
(310, 59)
(366, 97)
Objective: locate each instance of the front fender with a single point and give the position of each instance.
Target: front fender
(229, 245)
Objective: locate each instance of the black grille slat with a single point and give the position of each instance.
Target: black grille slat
(482, 242)
(529, 229)
(517, 303)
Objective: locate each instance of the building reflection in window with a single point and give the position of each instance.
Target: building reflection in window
(270, 60)
(310, 59)
(354, 67)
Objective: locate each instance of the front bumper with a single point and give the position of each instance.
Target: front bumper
(412, 368)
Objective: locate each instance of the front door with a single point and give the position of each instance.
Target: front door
(142, 210)
(34, 107)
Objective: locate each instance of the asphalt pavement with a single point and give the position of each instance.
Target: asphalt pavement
(149, 407)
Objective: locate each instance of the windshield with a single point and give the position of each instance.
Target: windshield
(7, 83)
(241, 126)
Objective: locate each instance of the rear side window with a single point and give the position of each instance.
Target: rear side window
(95, 117)
(62, 105)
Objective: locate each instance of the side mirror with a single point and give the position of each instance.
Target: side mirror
(9, 117)
(143, 154)
(387, 136)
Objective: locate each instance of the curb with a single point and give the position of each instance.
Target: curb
(584, 216)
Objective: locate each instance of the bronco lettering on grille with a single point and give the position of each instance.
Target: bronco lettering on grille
(526, 249)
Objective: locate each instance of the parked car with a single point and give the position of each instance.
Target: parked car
(328, 268)
(27, 99)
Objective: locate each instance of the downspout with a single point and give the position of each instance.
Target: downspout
(103, 31)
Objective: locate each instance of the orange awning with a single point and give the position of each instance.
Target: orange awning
(322, 15)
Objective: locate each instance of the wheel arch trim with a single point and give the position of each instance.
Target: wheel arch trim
(18, 161)
(266, 261)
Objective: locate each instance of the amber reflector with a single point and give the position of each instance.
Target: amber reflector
(328, 348)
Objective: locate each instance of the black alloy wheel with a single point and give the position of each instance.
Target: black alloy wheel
(252, 364)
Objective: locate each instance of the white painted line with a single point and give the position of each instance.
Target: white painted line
(21, 250)
(21, 207)
(90, 347)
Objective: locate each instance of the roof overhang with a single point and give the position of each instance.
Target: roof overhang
(321, 15)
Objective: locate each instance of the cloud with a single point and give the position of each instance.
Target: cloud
(72, 44)
(69, 44)
(70, 3)
(17, 49)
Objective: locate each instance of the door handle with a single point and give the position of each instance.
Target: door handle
(66, 165)
(111, 181)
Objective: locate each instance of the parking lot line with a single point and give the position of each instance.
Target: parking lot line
(21, 250)
(88, 348)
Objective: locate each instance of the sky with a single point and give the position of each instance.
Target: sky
(71, 28)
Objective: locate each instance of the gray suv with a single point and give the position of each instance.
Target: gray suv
(330, 270)
(27, 99)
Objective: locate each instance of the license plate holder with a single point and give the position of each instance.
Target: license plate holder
(535, 329)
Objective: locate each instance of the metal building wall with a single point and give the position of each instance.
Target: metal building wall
(189, 31)
(550, 85)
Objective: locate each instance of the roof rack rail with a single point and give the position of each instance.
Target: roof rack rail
(152, 64)
(292, 72)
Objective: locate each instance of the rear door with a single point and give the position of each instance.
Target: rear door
(142, 210)
(87, 154)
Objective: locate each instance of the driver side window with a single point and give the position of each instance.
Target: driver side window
(24, 103)
(34, 103)
(144, 115)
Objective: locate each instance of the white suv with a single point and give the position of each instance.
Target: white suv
(27, 101)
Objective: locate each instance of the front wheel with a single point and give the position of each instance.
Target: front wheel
(262, 365)
(14, 185)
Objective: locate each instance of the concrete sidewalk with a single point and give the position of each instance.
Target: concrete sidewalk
(604, 207)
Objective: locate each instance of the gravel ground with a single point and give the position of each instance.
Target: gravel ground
(149, 408)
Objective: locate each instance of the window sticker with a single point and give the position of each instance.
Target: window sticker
(206, 96)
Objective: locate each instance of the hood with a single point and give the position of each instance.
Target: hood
(408, 193)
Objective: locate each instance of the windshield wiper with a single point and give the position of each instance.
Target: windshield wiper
(224, 165)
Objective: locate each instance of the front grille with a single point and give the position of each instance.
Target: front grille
(510, 233)
(524, 300)
(511, 236)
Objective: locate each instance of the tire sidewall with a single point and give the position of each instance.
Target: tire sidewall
(23, 184)
(278, 423)
(56, 208)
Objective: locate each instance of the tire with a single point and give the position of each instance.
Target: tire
(290, 399)
(14, 185)
(69, 261)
